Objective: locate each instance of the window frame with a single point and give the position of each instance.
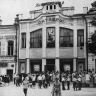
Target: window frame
(10, 48)
(35, 39)
(80, 38)
(65, 38)
(23, 40)
(52, 46)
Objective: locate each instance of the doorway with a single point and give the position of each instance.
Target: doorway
(50, 65)
(10, 73)
(66, 65)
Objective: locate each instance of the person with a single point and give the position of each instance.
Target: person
(63, 79)
(40, 81)
(87, 76)
(56, 91)
(75, 83)
(25, 86)
(79, 82)
(68, 82)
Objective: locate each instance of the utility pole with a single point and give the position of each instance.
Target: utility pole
(86, 24)
(16, 24)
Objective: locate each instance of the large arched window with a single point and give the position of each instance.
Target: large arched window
(10, 47)
(66, 37)
(36, 39)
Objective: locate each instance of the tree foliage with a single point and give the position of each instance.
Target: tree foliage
(92, 45)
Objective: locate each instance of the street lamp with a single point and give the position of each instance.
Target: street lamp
(86, 23)
(16, 24)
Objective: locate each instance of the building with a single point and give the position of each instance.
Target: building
(54, 38)
(7, 49)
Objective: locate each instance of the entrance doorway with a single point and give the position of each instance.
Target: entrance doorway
(50, 65)
(80, 65)
(10, 73)
(66, 65)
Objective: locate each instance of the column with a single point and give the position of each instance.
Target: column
(17, 50)
(75, 45)
(74, 64)
(43, 64)
(43, 45)
(27, 65)
(57, 65)
(27, 48)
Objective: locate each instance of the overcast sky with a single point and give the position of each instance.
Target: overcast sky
(9, 8)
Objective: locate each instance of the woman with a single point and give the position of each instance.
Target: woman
(25, 86)
(56, 88)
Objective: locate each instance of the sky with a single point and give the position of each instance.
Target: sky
(9, 8)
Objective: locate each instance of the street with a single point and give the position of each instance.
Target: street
(12, 90)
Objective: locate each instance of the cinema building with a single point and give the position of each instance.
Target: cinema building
(53, 38)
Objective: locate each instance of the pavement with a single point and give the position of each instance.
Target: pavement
(12, 90)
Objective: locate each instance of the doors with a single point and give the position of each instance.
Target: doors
(50, 65)
(50, 68)
(10, 73)
(80, 67)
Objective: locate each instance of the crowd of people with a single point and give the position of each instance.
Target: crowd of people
(44, 80)
(81, 79)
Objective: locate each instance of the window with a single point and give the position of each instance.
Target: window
(80, 37)
(23, 40)
(50, 7)
(50, 37)
(46, 7)
(0, 48)
(66, 37)
(10, 47)
(36, 39)
(54, 6)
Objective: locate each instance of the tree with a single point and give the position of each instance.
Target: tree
(92, 44)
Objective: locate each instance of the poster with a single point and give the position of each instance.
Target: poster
(36, 68)
(67, 67)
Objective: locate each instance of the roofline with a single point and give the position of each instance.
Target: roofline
(43, 15)
(49, 3)
(7, 26)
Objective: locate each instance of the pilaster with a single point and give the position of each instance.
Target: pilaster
(27, 47)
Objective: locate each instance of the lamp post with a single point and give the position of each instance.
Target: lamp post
(16, 24)
(86, 23)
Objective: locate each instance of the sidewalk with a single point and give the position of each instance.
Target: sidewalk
(12, 90)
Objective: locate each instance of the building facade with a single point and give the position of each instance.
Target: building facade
(53, 39)
(7, 49)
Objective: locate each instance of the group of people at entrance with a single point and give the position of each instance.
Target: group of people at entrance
(59, 81)
(63, 81)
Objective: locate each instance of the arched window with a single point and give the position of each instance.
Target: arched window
(66, 37)
(36, 39)
(46, 7)
(10, 47)
(50, 7)
(54, 6)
